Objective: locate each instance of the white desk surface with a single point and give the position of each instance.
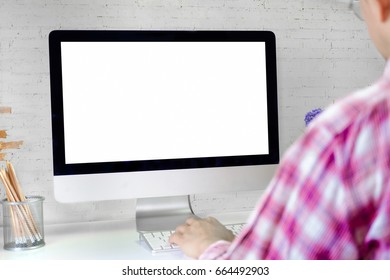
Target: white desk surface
(112, 240)
(108, 240)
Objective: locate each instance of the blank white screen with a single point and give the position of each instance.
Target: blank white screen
(126, 101)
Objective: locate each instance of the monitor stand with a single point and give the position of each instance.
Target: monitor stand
(162, 213)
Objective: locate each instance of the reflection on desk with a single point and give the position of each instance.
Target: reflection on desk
(109, 240)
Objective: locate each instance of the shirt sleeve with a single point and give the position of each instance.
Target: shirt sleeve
(216, 250)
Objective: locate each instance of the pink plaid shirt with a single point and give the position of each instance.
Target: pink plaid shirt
(330, 198)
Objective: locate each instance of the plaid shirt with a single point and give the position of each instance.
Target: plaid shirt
(330, 198)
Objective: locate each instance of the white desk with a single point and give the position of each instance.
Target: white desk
(112, 240)
(109, 240)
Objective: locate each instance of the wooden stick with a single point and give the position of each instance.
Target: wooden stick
(27, 225)
(15, 224)
(14, 180)
(24, 223)
(13, 196)
(18, 189)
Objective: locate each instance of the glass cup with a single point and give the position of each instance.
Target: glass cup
(23, 224)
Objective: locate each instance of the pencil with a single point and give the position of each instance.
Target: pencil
(23, 223)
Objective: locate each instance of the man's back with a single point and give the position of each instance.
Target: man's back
(330, 198)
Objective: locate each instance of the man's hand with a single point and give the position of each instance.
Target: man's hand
(196, 235)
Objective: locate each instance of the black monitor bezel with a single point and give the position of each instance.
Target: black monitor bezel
(58, 36)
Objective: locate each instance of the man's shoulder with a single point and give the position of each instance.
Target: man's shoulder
(363, 106)
(340, 126)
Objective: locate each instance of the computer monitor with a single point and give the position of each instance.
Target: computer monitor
(162, 114)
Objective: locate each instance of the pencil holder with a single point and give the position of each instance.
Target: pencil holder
(23, 224)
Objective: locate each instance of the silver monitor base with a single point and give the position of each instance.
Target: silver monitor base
(162, 213)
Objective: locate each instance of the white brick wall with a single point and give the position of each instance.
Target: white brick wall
(323, 54)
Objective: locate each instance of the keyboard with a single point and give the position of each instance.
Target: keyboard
(158, 241)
